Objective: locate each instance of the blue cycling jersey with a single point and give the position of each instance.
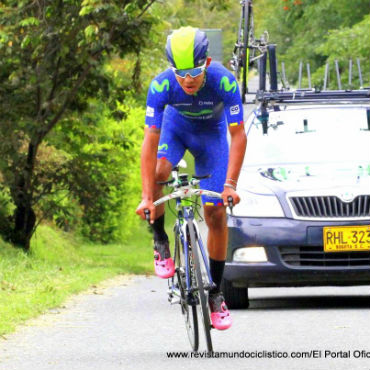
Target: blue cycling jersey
(196, 122)
(218, 98)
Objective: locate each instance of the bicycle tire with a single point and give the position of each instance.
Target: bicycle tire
(245, 49)
(200, 288)
(236, 61)
(189, 312)
(237, 50)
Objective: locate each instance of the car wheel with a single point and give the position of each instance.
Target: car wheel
(235, 297)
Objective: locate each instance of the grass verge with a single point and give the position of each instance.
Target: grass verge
(60, 265)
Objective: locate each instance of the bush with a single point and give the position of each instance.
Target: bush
(104, 169)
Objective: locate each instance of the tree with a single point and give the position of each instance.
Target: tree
(301, 28)
(51, 58)
(344, 44)
(203, 14)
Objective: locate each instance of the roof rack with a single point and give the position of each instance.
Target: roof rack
(309, 96)
(305, 96)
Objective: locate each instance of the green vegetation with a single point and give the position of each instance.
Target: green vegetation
(318, 32)
(58, 266)
(73, 82)
(54, 63)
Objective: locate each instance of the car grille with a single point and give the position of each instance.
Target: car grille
(330, 207)
(316, 257)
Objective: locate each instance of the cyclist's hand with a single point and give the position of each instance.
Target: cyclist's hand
(146, 204)
(228, 192)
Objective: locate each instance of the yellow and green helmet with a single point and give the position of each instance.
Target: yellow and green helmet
(187, 48)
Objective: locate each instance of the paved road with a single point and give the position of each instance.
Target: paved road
(130, 325)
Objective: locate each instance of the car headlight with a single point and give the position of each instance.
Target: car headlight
(257, 205)
(251, 254)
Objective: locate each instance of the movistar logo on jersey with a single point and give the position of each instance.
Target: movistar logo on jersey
(156, 87)
(198, 114)
(163, 147)
(226, 85)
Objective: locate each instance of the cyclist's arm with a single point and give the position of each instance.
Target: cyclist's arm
(238, 146)
(237, 150)
(149, 161)
(156, 101)
(234, 116)
(148, 166)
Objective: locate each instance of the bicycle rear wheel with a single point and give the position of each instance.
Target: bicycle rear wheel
(237, 54)
(188, 309)
(203, 297)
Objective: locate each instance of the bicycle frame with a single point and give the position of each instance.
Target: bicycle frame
(186, 212)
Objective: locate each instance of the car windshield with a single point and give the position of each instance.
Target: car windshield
(310, 135)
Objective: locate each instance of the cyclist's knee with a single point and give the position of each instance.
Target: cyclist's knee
(163, 169)
(162, 173)
(215, 216)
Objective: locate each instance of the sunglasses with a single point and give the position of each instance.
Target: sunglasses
(192, 72)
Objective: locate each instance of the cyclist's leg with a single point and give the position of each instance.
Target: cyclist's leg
(215, 212)
(217, 245)
(212, 159)
(164, 266)
(170, 151)
(162, 172)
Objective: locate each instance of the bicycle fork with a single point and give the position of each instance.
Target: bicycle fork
(174, 294)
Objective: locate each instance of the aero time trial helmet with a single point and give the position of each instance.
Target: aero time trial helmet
(187, 48)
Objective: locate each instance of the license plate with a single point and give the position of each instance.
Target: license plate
(346, 238)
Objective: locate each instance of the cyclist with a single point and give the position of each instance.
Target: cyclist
(189, 106)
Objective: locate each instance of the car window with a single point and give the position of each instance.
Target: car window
(310, 135)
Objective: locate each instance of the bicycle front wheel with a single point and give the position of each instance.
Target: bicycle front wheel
(200, 285)
(188, 308)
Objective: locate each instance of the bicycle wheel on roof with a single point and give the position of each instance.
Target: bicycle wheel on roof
(247, 31)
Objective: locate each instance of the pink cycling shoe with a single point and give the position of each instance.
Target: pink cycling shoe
(220, 315)
(164, 265)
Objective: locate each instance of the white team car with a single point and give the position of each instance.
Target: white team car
(304, 218)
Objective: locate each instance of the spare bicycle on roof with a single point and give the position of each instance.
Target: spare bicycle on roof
(250, 52)
(281, 95)
(247, 49)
